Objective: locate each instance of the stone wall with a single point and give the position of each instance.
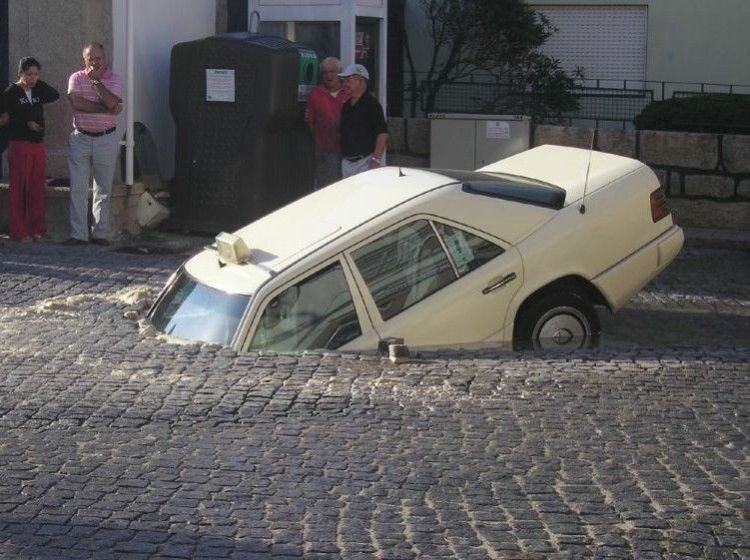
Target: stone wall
(707, 176)
(123, 212)
(54, 32)
(709, 166)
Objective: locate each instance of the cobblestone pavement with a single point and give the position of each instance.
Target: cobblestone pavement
(118, 446)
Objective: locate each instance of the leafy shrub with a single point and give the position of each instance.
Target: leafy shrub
(713, 112)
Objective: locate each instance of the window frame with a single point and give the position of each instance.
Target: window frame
(271, 289)
(450, 256)
(373, 310)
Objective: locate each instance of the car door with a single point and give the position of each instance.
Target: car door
(436, 283)
(315, 310)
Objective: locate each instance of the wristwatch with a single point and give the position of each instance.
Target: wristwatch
(95, 82)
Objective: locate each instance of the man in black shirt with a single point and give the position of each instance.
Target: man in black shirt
(364, 132)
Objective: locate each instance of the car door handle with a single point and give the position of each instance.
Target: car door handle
(499, 283)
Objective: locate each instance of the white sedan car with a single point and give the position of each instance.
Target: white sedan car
(517, 252)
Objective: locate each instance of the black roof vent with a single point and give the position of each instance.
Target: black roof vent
(508, 187)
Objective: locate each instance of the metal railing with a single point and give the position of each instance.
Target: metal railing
(602, 102)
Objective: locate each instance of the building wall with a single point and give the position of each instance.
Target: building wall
(158, 26)
(54, 32)
(690, 40)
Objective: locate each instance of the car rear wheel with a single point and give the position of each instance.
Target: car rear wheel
(557, 321)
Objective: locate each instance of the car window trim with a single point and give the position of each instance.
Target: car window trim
(350, 267)
(382, 233)
(263, 302)
(445, 248)
(165, 289)
(468, 230)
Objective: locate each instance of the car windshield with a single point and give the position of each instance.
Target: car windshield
(194, 311)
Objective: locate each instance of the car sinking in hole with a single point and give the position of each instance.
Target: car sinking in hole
(521, 252)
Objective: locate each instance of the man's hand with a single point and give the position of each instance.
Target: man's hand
(94, 73)
(4, 119)
(34, 126)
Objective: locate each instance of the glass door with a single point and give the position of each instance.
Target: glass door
(367, 48)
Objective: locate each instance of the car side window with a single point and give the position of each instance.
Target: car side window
(316, 313)
(467, 250)
(403, 267)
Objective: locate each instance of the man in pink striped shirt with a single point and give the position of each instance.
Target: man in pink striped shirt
(95, 94)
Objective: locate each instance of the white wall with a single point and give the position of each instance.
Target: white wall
(158, 25)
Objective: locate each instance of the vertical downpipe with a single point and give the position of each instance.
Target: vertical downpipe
(129, 101)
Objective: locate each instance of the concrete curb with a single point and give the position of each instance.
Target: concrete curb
(717, 238)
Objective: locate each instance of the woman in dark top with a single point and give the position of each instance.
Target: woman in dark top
(27, 160)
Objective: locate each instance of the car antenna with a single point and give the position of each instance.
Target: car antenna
(582, 208)
(397, 156)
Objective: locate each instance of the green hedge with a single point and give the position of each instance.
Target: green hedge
(714, 112)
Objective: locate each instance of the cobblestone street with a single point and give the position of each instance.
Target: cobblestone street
(115, 445)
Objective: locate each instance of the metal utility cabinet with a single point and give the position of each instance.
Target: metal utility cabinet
(462, 141)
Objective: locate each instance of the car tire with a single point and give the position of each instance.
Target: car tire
(557, 321)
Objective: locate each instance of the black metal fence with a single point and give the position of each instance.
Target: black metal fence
(610, 103)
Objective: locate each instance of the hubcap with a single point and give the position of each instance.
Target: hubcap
(563, 328)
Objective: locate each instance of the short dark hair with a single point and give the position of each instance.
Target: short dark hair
(27, 62)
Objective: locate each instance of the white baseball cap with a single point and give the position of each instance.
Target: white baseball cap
(355, 70)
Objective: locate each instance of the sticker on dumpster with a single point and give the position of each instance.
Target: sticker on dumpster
(498, 130)
(220, 85)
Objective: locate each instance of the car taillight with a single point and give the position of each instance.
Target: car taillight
(659, 207)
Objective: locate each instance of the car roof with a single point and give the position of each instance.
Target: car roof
(308, 223)
(337, 208)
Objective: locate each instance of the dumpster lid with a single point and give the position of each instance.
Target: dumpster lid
(256, 39)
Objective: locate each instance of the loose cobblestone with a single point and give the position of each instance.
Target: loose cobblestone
(117, 445)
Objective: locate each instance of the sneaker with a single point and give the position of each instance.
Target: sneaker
(100, 241)
(75, 241)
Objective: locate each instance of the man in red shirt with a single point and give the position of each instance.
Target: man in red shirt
(323, 114)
